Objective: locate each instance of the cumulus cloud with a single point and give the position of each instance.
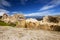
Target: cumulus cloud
(52, 4)
(2, 11)
(4, 3)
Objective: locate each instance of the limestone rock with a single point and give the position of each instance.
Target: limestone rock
(12, 19)
(32, 23)
(51, 19)
(21, 23)
(5, 18)
(50, 23)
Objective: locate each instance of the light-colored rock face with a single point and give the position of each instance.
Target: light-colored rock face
(31, 20)
(20, 20)
(51, 19)
(19, 16)
(50, 23)
(28, 23)
(21, 23)
(13, 18)
(5, 18)
(32, 23)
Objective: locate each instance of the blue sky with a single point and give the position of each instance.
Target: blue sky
(30, 7)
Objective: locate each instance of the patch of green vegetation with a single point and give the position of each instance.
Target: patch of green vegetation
(2, 23)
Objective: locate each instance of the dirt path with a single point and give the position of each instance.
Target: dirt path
(24, 34)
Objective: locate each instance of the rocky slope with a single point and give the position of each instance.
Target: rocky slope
(9, 33)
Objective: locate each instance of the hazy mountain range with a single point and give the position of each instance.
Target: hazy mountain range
(36, 17)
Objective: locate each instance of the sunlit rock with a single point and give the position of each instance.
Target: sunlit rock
(5, 18)
(20, 21)
(32, 23)
(50, 23)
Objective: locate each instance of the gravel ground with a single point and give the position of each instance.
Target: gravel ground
(11, 33)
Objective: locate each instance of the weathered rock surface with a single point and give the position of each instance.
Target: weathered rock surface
(50, 23)
(12, 19)
(51, 19)
(32, 23)
(25, 34)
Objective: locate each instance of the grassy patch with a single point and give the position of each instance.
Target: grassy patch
(2, 23)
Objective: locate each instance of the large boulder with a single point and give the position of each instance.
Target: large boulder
(21, 23)
(32, 23)
(5, 18)
(20, 20)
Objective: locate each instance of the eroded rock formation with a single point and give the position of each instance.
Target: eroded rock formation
(51, 19)
(50, 23)
(13, 19)
(5, 18)
(32, 23)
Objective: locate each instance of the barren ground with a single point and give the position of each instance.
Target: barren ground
(10, 33)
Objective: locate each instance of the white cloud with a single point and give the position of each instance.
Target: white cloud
(4, 3)
(44, 13)
(2, 11)
(47, 7)
(52, 4)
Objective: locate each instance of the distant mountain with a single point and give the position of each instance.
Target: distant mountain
(36, 17)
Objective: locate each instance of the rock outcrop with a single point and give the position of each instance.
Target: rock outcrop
(50, 23)
(51, 19)
(5, 18)
(11, 19)
(21, 21)
(32, 23)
